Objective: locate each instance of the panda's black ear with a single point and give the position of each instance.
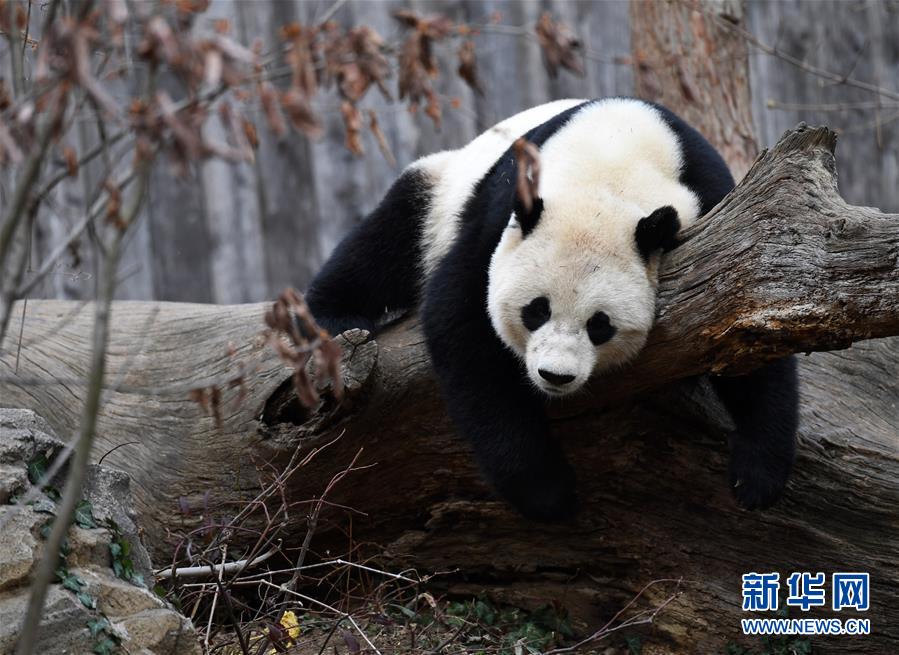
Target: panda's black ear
(528, 219)
(658, 231)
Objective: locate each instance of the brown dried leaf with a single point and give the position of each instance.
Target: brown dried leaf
(269, 99)
(407, 17)
(249, 130)
(71, 160)
(560, 46)
(298, 109)
(186, 134)
(468, 66)
(352, 121)
(113, 204)
(417, 64)
(527, 157)
(289, 316)
(383, 146)
(21, 17)
(5, 97)
(433, 109)
(301, 56)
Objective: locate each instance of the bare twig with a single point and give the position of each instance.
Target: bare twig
(213, 569)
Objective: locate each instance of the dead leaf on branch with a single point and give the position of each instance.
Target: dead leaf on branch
(383, 146)
(296, 338)
(352, 121)
(417, 64)
(300, 112)
(561, 48)
(527, 183)
(468, 66)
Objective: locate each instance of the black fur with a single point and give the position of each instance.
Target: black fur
(765, 408)
(488, 393)
(704, 170)
(765, 403)
(528, 219)
(377, 268)
(536, 313)
(658, 231)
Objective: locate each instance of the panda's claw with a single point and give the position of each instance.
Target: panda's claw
(756, 483)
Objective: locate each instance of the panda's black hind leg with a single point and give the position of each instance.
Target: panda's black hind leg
(765, 408)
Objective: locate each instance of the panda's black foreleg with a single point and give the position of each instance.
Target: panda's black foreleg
(375, 269)
(765, 408)
(493, 405)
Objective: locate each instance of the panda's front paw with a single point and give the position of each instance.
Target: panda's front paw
(757, 481)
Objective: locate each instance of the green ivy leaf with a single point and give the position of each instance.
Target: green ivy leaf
(72, 582)
(97, 626)
(634, 645)
(37, 468)
(106, 646)
(87, 600)
(84, 515)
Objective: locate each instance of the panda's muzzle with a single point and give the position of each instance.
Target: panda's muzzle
(559, 379)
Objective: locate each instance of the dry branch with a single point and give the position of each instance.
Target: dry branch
(782, 265)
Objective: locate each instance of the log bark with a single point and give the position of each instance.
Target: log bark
(781, 265)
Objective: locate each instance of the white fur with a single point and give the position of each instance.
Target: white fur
(615, 162)
(458, 171)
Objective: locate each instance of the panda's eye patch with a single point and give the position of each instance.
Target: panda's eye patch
(599, 328)
(535, 313)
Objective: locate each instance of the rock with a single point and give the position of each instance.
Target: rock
(109, 491)
(24, 436)
(160, 631)
(63, 630)
(143, 622)
(18, 544)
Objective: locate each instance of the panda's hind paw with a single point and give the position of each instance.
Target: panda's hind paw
(756, 485)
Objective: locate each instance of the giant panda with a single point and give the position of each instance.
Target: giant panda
(519, 305)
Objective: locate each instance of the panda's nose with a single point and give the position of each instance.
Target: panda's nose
(555, 378)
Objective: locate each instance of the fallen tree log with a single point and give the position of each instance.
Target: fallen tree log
(782, 265)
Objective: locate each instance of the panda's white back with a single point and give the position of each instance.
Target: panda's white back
(456, 172)
(618, 148)
(615, 161)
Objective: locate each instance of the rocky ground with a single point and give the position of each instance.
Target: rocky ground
(100, 602)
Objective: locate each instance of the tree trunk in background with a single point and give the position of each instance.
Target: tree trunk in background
(684, 59)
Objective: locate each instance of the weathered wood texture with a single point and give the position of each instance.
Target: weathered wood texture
(652, 473)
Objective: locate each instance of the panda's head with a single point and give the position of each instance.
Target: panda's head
(572, 285)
